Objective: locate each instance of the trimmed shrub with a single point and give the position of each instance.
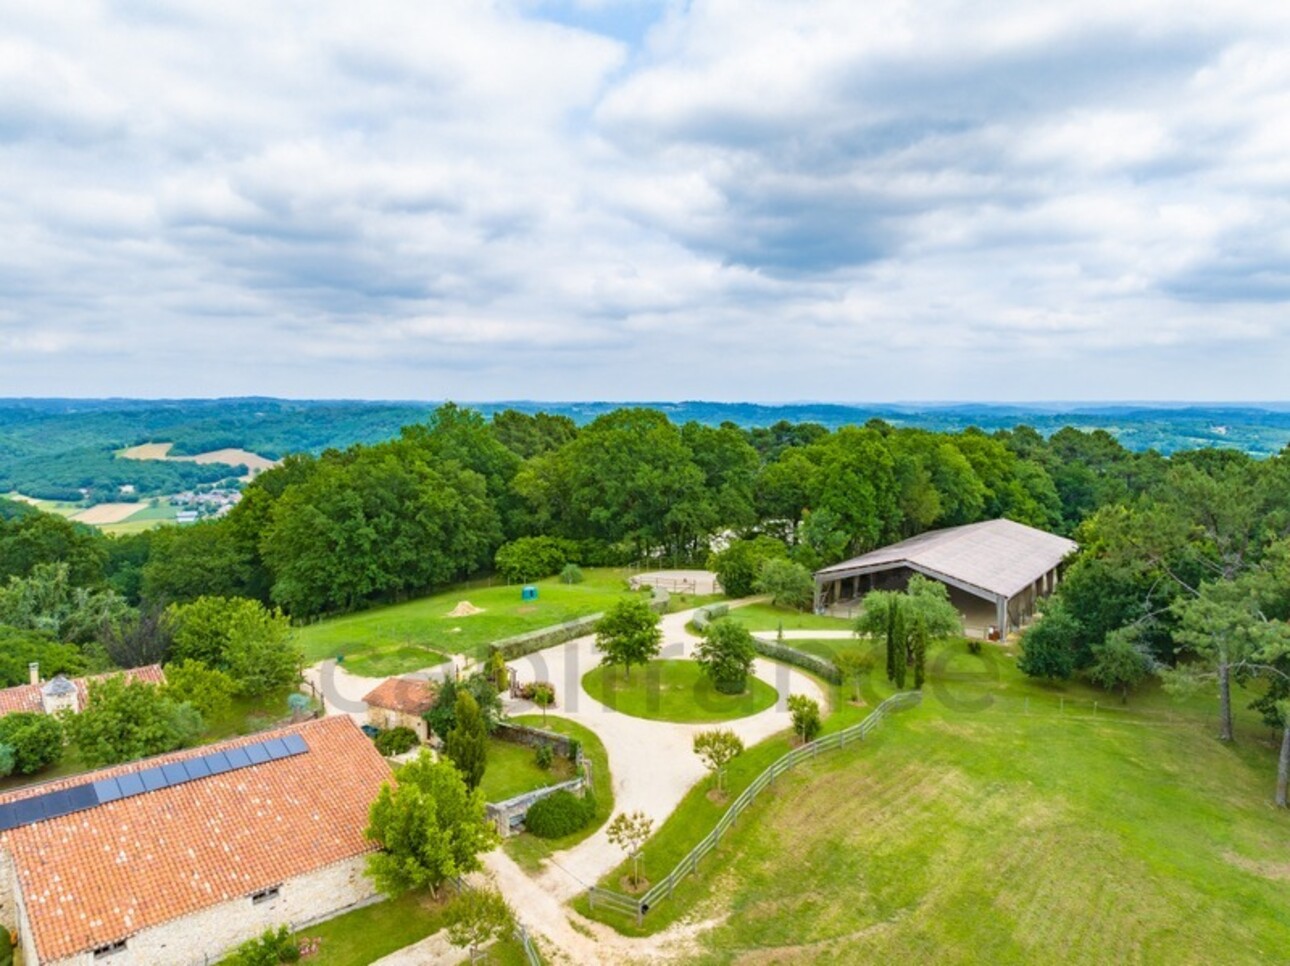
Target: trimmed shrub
(6, 947)
(706, 615)
(807, 662)
(396, 741)
(560, 813)
(571, 574)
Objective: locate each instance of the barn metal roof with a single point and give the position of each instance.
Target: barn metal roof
(998, 557)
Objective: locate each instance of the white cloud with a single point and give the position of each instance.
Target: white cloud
(759, 199)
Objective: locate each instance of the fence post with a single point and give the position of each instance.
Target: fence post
(591, 897)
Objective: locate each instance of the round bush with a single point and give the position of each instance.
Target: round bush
(6, 947)
(559, 814)
(396, 741)
(732, 684)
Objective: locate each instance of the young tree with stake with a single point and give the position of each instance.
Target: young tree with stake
(630, 832)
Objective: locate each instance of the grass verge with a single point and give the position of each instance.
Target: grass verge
(676, 691)
(512, 770)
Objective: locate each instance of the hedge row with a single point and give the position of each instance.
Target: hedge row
(706, 615)
(807, 662)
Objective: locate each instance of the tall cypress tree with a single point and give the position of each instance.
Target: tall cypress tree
(467, 742)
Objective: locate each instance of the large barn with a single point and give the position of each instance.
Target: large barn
(996, 571)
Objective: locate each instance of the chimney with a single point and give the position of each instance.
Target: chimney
(33, 670)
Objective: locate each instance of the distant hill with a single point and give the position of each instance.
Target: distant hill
(55, 448)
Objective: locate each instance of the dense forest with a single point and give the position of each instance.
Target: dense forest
(55, 449)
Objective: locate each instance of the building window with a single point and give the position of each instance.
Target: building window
(111, 949)
(265, 895)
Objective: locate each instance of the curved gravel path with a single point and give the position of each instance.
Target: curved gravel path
(653, 762)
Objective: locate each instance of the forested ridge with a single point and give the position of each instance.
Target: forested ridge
(369, 523)
(56, 448)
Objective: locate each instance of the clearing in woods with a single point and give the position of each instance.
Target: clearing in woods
(1001, 821)
(254, 462)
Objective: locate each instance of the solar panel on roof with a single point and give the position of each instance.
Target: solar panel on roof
(275, 748)
(218, 762)
(38, 808)
(29, 810)
(107, 790)
(295, 744)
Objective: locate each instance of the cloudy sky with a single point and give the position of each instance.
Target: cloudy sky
(581, 199)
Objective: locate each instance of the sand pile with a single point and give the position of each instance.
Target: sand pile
(465, 609)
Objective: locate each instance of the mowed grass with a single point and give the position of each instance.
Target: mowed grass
(766, 617)
(410, 636)
(673, 691)
(512, 770)
(365, 935)
(529, 850)
(1001, 821)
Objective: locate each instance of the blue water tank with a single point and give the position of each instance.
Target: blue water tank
(529, 592)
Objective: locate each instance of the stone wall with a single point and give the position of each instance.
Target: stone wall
(204, 937)
(532, 737)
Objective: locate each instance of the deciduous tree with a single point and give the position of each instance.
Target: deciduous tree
(628, 634)
(430, 828)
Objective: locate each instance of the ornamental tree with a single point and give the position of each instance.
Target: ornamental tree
(718, 748)
(630, 832)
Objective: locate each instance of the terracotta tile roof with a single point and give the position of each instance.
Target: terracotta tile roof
(101, 875)
(26, 697)
(409, 695)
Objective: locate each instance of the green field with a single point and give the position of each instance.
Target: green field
(513, 771)
(1002, 821)
(405, 637)
(673, 691)
(764, 617)
(529, 850)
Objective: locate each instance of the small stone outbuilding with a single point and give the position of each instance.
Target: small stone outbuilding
(401, 703)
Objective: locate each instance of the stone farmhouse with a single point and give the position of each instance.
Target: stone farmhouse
(174, 860)
(65, 694)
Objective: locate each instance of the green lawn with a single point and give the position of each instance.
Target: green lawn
(1002, 821)
(407, 637)
(512, 770)
(764, 617)
(365, 935)
(529, 850)
(673, 691)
